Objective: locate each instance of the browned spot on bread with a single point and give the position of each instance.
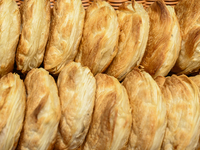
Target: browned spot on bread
(40, 107)
(70, 81)
(106, 128)
(160, 8)
(4, 96)
(192, 38)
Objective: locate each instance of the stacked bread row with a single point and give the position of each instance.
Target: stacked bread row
(98, 113)
(102, 39)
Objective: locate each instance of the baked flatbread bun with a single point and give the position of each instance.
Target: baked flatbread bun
(188, 14)
(12, 110)
(111, 122)
(134, 31)
(148, 111)
(99, 43)
(10, 22)
(183, 113)
(35, 32)
(77, 87)
(164, 41)
(65, 35)
(42, 112)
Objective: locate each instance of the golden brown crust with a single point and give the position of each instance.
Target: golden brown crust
(42, 112)
(160, 81)
(148, 111)
(196, 80)
(35, 32)
(12, 110)
(164, 40)
(99, 43)
(198, 146)
(190, 44)
(65, 35)
(9, 34)
(188, 14)
(134, 30)
(182, 97)
(189, 58)
(77, 87)
(111, 122)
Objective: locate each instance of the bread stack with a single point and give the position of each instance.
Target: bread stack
(99, 79)
(188, 60)
(131, 47)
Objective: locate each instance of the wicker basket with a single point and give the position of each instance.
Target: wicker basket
(167, 2)
(115, 3)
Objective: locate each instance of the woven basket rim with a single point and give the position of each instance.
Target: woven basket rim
(114, 3)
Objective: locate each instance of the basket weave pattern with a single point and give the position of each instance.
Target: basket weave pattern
(115, 3)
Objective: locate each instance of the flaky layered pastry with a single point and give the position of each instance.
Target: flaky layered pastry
(77, 87)
(65, 35)
(42, 112)
(188, 14)
(12, 110)
(183, 113)
(134, 30)
(35, 31)
(148, 111)
(99, 43)
(196, 80)
(111, 122)
(9, 34)
(164, 41)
